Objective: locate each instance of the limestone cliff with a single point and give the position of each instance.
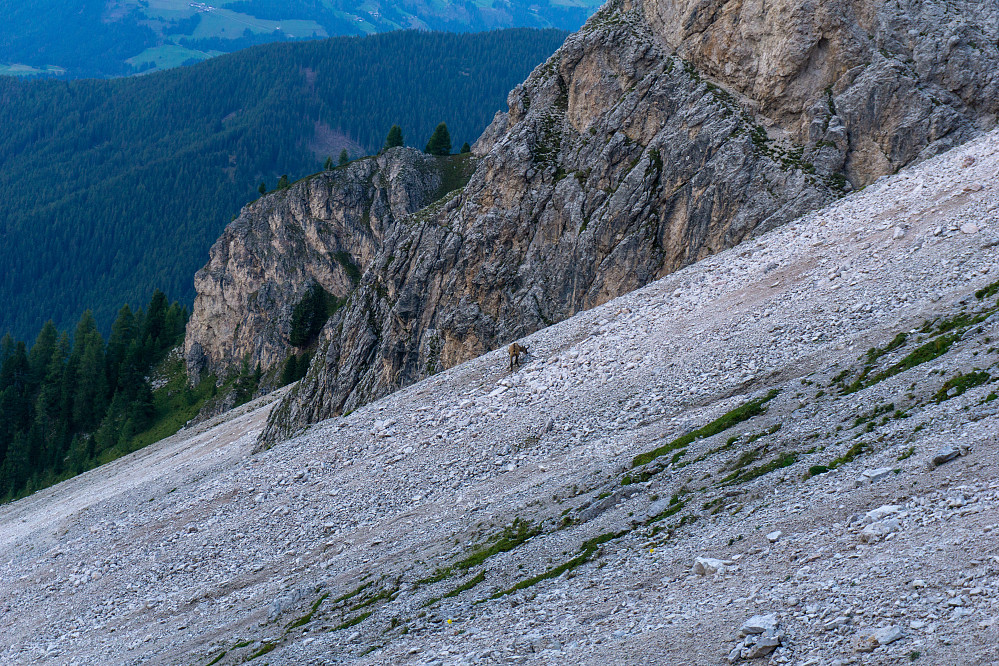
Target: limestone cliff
(659, 134)
(324, 230)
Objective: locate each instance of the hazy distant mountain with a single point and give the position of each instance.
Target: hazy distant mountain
(94, 38)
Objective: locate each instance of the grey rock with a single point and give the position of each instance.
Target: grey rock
(836, 623)
(870, 640)
(760, 624)
(946, 454)
(877, 474)
(878, 531)
(705, 566)
(320, 231)
(881, 512)
(764, 646)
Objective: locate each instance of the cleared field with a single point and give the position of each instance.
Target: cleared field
(17, 69)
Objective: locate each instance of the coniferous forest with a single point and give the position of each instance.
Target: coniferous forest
(71, 402)
(113, 186)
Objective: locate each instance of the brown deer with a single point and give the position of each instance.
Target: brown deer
(515, 353)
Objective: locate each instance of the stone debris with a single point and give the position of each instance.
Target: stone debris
(705, 566)
(343, 544)
(878, 531)
(870, 641)
(760, 636)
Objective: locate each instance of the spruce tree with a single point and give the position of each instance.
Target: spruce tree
(123, 332)
(41, 352)
(440, 141)
(394, 138)
(465, 148)
(328, 164)
(154, 326)
(290, 371)
(262, 188)
(344, 157)
(283, 183)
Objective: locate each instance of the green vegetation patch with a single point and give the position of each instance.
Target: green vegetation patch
(478, 578)
(850, 455)
(375, 598)
(264, 649)
(512, 536)
(351, 622)
(741, 413)
(218, 658)
(924, 353)
(675, 506)
(455, 172)
(353, 593)
(961, 383)
(742, 476)
(305, 619)
(990, 290)
(589, 547)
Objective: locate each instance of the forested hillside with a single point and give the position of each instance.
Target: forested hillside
(112, 186)
(95, 38)
(69, 404)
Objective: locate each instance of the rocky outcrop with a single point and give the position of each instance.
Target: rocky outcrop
(659, 134)
(323, 230)
(863, 86)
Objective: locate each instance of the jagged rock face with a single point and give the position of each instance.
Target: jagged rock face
(619, 162)
(317, 231)
(864, 86)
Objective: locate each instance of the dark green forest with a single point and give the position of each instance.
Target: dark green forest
(112, 186)
(69, 403)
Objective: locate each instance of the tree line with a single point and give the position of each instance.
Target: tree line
(68, 400)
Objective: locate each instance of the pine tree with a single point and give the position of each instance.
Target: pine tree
(41, 352)
(89, 379)
(344, 158)
(262, 188)
(154, 325)
(290, 371)
(328, 164)
(394, 138)
(51, 413)
(465, 148)
(309, 315)
(173, 326)
(17, 466)
(440, 141)
(123, 332)
(283, 183)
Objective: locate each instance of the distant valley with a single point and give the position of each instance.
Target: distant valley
(95, 38)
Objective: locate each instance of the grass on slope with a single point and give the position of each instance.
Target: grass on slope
(741, 413)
